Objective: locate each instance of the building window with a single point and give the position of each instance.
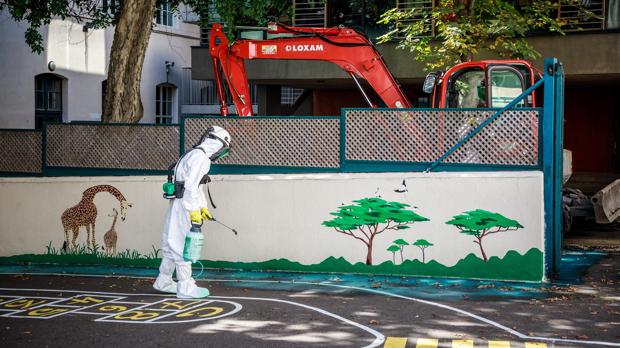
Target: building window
(163, 15)
(111, 6)
(47, 99)
(163, 103)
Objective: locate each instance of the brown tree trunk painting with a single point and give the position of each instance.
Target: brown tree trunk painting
(484, 255)
(131, 37)
(369, 254)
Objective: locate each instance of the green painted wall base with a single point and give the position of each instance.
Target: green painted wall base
(513, 266)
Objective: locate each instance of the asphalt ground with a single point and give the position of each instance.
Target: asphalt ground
(270, 310)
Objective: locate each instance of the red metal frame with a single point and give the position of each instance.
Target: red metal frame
(351, 51)
(441, 89)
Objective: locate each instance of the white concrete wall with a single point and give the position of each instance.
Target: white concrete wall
(280, 216)
(82, 60)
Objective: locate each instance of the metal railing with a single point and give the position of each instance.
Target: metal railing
(310, 13)
(589, 15)
(203, 92)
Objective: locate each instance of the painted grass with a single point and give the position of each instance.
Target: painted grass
(84, 257)
(513, 266)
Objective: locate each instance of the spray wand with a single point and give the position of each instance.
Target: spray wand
(230, 228)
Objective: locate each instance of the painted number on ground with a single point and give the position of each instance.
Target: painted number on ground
(117, 308)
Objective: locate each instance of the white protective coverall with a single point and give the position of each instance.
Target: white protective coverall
(190, 169)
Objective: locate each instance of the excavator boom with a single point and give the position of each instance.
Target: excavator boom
(345, 47)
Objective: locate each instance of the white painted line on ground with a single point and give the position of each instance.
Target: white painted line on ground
(379, 337)
(378, 292)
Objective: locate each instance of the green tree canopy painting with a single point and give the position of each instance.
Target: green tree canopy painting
(393, 249)
(401, 243)
(370, 217)
(481, 223)
(422, 244)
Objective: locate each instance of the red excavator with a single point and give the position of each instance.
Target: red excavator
(489, 83)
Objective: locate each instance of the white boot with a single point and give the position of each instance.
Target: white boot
(164, 281)
(186, 287)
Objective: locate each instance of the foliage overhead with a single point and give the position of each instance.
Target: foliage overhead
(233, 13)
(464, 28)
(41, 13)
(92, 12)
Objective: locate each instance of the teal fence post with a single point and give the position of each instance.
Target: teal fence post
(552, 163)
(558, 142)
(343, 139)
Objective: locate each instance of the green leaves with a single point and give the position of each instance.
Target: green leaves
(241, 12)
(462, 28)
(40, 13)
(393, 248)
(472, 222)
(400, 242)
(371, 212)
(422, 243)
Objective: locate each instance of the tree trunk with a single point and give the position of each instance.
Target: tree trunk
(393, 258)
(401, 255)
(423, 257)
(131, 37)
(369, 254)
(484, 256)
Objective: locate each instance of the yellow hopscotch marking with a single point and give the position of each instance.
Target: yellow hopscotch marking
(427, 343)
(535, 345)
(395, 342)
(499, 344)
(462, 343)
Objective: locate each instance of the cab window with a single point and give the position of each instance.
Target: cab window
(468, 90)
(506, 84)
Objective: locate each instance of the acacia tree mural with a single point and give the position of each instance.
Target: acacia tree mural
(370, 217)
(481, 223)
(422, 244)
(400, 243)
(393, 248)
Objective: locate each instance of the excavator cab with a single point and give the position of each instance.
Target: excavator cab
(481, 84)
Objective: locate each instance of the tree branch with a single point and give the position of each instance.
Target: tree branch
(349, 233)
(500, 229)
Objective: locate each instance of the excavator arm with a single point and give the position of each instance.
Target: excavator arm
(345, 47)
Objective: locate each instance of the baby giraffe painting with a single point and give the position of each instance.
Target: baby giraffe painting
(110, 237)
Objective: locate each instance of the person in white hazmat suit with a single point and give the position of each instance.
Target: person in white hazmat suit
(190, 209)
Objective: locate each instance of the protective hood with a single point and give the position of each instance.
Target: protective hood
(210, 147)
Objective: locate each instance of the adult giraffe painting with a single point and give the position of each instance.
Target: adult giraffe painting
(85, 214)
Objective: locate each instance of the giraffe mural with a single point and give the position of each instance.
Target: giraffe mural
(110, 237)
(85, 214)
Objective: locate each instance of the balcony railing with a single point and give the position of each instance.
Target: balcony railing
(310, 13)
(589, 16)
